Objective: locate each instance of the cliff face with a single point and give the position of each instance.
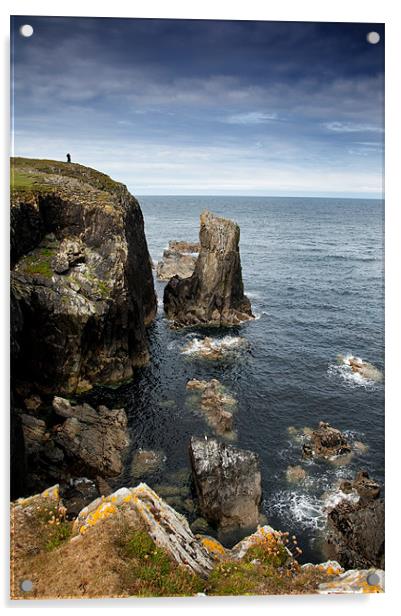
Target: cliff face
(214, 294)
(81, 282)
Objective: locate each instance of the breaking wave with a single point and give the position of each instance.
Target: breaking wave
(214, 348)
(367, 375)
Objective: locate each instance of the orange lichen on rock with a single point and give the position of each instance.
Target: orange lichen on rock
(213, 547)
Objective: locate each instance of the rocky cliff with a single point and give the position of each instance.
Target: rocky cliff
(214, 294)
(81, 282)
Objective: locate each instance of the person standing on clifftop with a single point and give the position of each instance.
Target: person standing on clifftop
(68, 158)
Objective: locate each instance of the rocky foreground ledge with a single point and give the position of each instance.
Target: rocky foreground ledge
(132, 543)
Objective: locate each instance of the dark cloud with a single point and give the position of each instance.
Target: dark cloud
(286, 92)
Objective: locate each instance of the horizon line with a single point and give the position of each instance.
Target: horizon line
(382, 198)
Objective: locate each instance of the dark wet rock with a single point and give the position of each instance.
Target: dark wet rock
(179, 259)
(215, 404)
(356, 529)
(93, 440)
(78, 494)
(326, 442)
(52, 453)
(228, 483)
(367, 488)
(33, 402)
(82, 285)
(35, 432)
(18, 458)
(346, 486)
(214, 294)
(103, 487)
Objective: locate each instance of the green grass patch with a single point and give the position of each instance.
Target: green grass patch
(152, 573)
(24, 168)
(38, 262)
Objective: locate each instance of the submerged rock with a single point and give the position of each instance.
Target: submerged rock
(145, 462)
(81, 280)
(214, 294)
(326, 442)
(356, 529)
(295, 474)
(214, 349)
(363, 368)
(93, 440)
(215, 403)
(228, 484)
(179, 259)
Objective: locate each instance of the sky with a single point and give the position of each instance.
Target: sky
(197, 107)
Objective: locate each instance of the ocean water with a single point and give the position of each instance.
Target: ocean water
(313, 270)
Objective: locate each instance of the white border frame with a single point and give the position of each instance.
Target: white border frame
(285, 10)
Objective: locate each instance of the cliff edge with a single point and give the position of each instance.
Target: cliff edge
(81, 283)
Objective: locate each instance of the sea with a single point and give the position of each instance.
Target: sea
(313, 270)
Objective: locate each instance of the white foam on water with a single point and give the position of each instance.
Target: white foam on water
(227, 344)
(252, 294)
(369, 379)
(307, 510)
(332, 499)
(304, 509)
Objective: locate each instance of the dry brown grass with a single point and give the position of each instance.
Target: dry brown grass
(88, 566)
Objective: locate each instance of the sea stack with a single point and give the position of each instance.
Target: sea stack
(214, 294)
(228, 484)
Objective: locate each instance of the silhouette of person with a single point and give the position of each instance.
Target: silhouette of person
(68, 158)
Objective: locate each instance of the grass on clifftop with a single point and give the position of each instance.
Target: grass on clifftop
(32, 175)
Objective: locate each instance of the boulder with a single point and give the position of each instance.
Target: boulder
(33, 402)
(326, 442)
(179, 259)
(356, 529)
(81, 282)
(227, 482)
(214, 294)
(93, 440)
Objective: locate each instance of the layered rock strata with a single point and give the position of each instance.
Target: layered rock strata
(179, 259)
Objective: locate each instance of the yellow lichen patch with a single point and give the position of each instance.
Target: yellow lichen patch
(50, 493)
(213, 547)
(332, 570)
(101, 513)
